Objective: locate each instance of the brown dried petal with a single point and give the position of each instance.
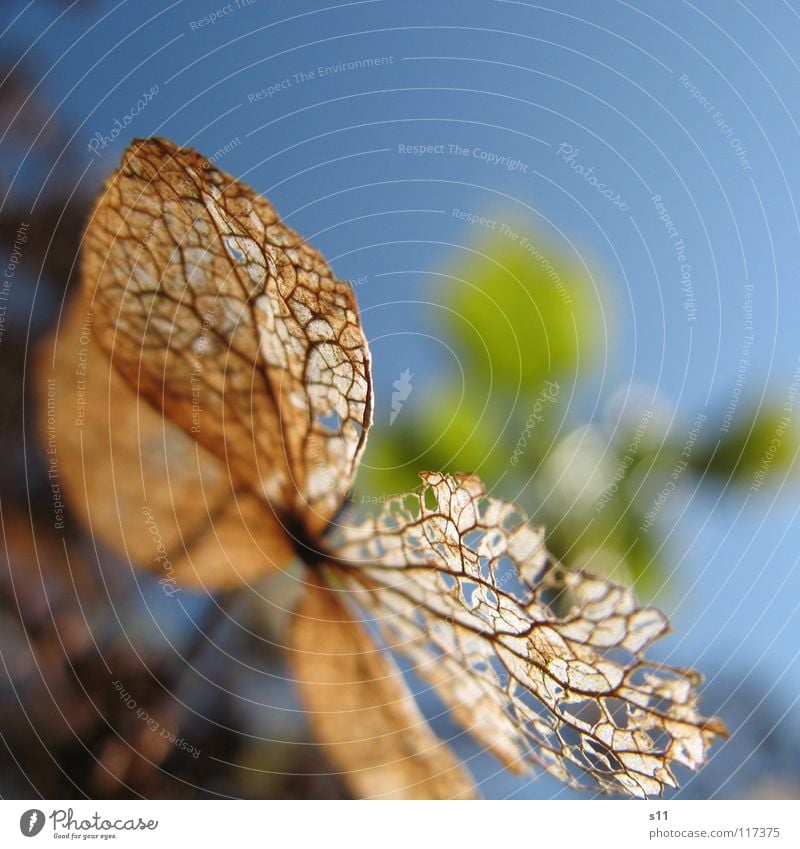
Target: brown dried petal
(222, 316)
(141, 486)
(361, 711)
(542, 665)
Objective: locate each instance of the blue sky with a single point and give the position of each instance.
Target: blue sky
(692, 103)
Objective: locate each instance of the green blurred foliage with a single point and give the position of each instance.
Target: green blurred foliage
(510, 290)
(762, 437)
(526, 325)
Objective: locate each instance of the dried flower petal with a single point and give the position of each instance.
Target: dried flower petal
(139, 484)
(542, 665)
(361, 710)
(221, 317)
(219, 314)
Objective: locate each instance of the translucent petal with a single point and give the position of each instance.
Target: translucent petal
(543, 666)
(225, 319)
(139, 484)
(361, 711)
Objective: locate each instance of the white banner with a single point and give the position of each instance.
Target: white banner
(562, 824)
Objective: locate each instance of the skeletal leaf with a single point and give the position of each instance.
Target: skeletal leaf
(139, 484)
(544, 666)
(361, 710)
(224, 318)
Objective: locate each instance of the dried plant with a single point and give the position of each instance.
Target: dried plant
(256, 370)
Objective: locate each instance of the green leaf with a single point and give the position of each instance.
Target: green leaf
(521, 313)
(761, 446)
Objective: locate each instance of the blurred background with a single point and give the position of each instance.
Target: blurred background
(573, 232)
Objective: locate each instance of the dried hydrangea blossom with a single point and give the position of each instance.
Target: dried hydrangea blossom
(361, 710)
(231, 327)
(463, 586)
(149, 491)
(224, 318)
